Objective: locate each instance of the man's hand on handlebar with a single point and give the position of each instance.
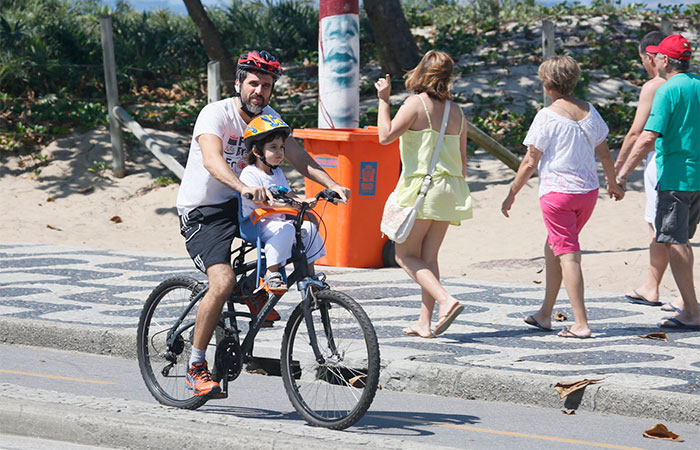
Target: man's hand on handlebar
(258, 194)
(342, 191)
(282, 196)
(330, 195)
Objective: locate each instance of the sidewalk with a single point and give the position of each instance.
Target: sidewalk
(90, 300)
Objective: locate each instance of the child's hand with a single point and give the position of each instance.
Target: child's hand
(383, 86)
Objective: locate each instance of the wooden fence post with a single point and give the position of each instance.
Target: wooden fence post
(547, 48)
(492, 146)
(213, 82)
(666, 26)
(147, 140)
(115, 131)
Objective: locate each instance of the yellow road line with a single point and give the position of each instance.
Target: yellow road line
(509, 433)
(56, 377)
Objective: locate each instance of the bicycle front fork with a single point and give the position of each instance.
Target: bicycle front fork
(309, 302)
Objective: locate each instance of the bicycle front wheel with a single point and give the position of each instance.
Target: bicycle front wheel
(164, 367)
(336, 392)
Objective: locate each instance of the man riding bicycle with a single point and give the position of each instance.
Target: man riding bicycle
(207, 203)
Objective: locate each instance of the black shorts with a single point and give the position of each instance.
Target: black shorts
(677, 216)
(209, 232)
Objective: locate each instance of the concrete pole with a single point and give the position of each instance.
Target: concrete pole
(213, 82)
(115, 131)
(547, 48)
(339, 64)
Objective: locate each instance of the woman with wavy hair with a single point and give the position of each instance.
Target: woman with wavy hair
(447, 200)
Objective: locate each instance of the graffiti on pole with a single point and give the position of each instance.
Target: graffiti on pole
(339, 64)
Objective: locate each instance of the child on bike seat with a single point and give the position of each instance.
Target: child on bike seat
(264, 138)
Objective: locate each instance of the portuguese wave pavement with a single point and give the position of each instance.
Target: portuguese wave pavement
(90, 300)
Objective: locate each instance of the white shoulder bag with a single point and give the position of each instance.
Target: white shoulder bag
(397, 221)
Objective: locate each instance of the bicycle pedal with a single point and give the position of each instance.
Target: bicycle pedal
(219, 396)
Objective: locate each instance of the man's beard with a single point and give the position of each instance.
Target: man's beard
(255, 109)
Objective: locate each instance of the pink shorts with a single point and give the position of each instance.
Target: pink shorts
(564, 217)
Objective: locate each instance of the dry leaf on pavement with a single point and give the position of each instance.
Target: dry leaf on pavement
(116, 219)
(559, 316)
(659, 431)
(86, 190)
(51, 227)
(566, 388)
(657, 336)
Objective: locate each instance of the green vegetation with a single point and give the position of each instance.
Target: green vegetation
(164, 181)
(99, 168)
(51, 74)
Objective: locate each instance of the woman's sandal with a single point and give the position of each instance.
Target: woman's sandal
(567, 333)
(446, 320)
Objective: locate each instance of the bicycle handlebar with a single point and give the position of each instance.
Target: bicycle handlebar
(279, 193)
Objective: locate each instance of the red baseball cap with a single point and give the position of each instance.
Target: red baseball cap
(674, 46)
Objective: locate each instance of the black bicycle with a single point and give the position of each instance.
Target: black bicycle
(330, 356)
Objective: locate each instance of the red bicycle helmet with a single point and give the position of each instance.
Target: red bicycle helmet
(260, 61)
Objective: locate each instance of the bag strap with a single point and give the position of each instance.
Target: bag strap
(438, 146)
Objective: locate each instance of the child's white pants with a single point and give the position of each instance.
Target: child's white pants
(278, 239)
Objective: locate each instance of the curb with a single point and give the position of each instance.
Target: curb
(139, 425)
(466, 382)
(485, 384)
(82, 338)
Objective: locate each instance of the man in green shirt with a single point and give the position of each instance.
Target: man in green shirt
(673, 128)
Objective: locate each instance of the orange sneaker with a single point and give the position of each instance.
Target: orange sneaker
(199, 380)
(256, 302)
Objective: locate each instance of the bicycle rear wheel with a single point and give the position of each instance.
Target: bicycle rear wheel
(336, 393)
(164, 368)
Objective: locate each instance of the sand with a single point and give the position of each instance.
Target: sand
(69, 204)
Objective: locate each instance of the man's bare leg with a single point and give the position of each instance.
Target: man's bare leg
(221, 281)
(682, 259)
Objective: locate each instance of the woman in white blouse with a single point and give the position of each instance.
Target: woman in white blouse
(562, 143)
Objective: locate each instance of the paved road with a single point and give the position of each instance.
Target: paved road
(413, 418)
(79, 289)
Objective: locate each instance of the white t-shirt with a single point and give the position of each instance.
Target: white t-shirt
(568, 161)
(252, 176)
(198, 186)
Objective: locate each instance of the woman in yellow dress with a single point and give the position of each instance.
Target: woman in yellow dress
(448, 200)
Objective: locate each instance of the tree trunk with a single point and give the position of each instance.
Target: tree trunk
(398, 52)
(212, 42)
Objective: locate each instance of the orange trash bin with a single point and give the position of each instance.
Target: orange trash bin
(354, 158)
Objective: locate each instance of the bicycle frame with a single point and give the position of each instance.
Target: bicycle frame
(305, 283)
